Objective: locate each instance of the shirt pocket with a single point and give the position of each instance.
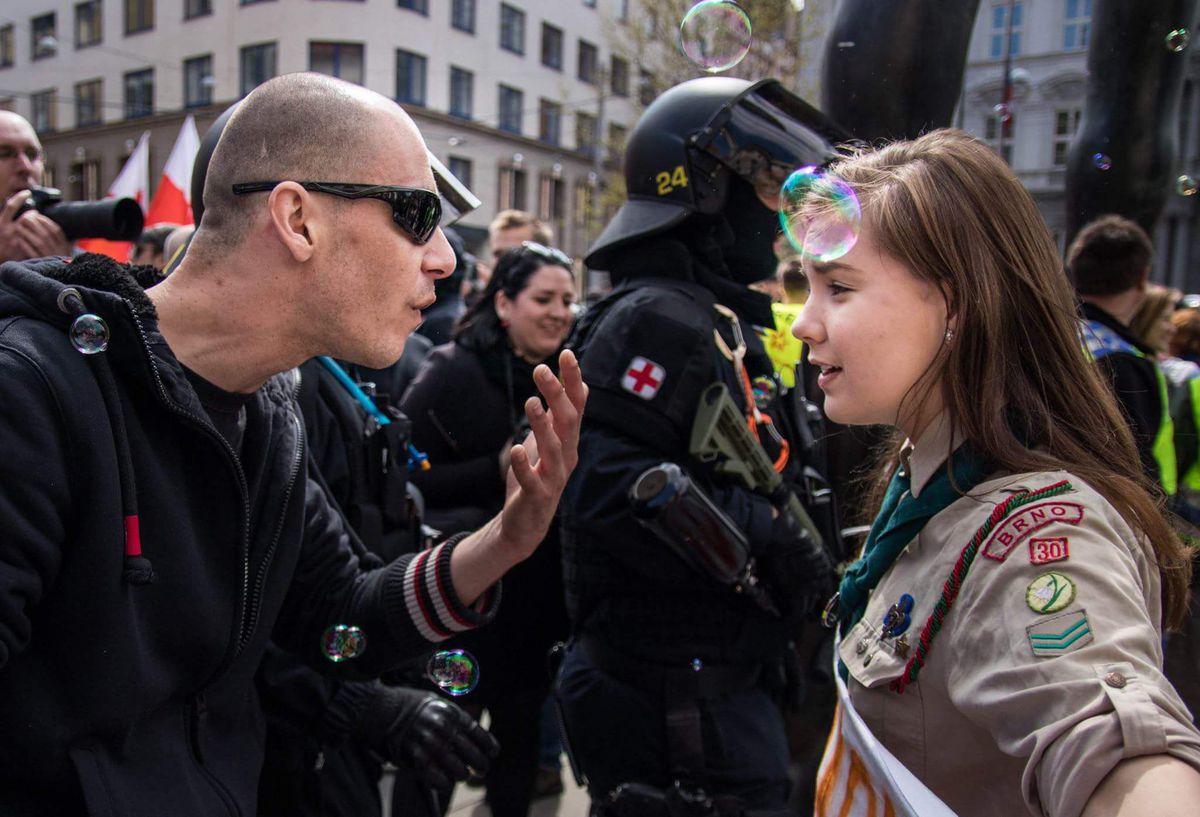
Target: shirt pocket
(898, 720)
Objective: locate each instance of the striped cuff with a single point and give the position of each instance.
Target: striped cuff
(429, 596)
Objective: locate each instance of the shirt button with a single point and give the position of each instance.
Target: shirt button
(1115, 680)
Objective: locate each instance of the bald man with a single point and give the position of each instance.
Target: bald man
(22, 162)
(160, 520)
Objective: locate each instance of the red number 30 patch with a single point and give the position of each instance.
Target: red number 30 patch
(1042, 551)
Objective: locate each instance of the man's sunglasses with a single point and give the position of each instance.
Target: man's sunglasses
(550, 253)
(416, 211)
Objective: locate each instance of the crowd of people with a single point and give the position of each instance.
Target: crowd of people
(331, 416)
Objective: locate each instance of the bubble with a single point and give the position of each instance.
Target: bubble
(1186, 186)
(1177, 40)
(89, 334)
(831, 229)
(764, 390)
(715, 34)
(456, 672)
(1002, 112)
(1102, 161)
(342, 642)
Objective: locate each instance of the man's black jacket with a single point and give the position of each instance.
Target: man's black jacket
(122, 696)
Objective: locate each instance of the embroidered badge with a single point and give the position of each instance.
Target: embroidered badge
(1044, 551)
(643, 377)
(898, 618)
(1060, 635)
(1049, 593)
(1033, 518)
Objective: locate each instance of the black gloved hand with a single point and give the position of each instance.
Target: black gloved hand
(799, 572)
(428, 734)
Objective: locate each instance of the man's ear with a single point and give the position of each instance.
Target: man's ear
(292, 219)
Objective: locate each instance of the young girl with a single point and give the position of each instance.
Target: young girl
(1001, 634)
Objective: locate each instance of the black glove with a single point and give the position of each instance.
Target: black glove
(798, 571)
(428, 734)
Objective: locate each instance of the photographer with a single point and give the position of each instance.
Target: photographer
(32, 235)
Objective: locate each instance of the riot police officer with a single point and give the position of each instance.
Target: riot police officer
(672, 680)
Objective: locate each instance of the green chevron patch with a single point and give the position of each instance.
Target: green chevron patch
(1060, 635)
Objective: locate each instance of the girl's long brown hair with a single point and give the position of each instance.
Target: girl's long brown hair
(1016, 379)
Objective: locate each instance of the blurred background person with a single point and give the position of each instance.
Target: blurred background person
(22, 163)
(176, 241)
(466, 406)
(507, 230)
(439, 319)
(150, 248)
(1152, 321)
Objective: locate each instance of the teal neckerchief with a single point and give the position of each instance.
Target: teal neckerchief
(900, 519)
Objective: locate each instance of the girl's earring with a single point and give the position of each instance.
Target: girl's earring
(949, 335)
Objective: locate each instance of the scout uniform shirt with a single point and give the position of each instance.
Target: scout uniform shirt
(1046, 671)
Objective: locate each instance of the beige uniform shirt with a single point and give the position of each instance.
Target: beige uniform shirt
(1048, 669)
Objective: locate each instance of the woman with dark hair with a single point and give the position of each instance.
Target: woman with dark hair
(1001, 634)
(466, 405)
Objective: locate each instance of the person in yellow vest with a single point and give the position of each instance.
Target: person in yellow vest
(1109, 264)
(1000, 635)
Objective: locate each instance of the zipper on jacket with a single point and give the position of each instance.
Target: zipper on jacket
(197, 711)
(250, 620)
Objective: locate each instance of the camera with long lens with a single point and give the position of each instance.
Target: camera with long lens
(113, 219)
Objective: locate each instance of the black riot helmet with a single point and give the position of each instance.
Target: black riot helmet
(203, 156)
(696, 138)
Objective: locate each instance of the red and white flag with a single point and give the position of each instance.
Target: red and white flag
(133, 182)
(172, 202)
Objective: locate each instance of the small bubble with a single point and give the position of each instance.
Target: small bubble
(697, 665)
(89, 334)
(1002, 112)
(820, 214)
(342, 642)
(456, 672)
(715, 34)
(1102, 161)
(1177, 40)
(1186, 186)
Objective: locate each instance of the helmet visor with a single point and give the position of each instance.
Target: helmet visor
(766, 133)
(457, 199)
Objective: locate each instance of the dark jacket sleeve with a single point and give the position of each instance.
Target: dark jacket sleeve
(35, 496)
(401, 608)
(1136, 387)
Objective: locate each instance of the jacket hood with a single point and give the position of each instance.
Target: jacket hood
(32, 288)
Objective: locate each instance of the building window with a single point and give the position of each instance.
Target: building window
(87, 102)
(585, 202)
(196, 8)
(8, 49)
(462, 93)
(622, 11)
(341, 60)
(462, 15)
(85, 180)
(549, 121)
(590, 3)
(550, 199)
(620, 77)
(139, 16)
(44, 42)
(258, 64)
(616, 142)
(1065, 125)
(139, 93)
(552, 46)
(1000, 29)
(992, 132)
(1077, 20)
(251, 2)
(647, 87)
(512, 29)
(511, 189)
(198, 81)
(588, 62)
(410, 77)
(585, 131)
(7, 103)
(89, 24)
(419, 6)
(511, 103)
(461, 168)
(44, 106)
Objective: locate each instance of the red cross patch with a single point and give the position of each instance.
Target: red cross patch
(643, 377)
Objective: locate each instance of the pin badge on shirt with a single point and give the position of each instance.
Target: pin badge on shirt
(898, 618)
(1050, 592)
